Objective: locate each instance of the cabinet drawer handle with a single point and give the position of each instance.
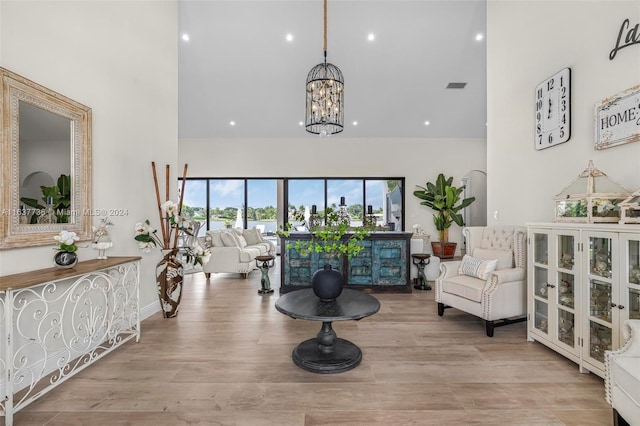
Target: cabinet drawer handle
(613, 305)
(551, 285)
(620, 307)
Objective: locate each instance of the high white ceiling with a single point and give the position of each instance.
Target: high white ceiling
(238, 66)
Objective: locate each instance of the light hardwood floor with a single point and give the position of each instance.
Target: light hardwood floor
(226, 360)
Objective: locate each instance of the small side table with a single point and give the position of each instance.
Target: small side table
(267, 262)
(423, 260)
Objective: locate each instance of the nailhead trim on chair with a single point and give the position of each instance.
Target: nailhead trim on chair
(627, 334)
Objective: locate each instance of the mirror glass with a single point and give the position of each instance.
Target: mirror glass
(46, 160)
(45, 165)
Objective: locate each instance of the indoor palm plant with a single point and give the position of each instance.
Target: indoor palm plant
(446, 200)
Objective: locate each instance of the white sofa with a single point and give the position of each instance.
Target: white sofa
(490, 283)
(622, 377)
(234, 250)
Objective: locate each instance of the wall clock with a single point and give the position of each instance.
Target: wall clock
(553, 110)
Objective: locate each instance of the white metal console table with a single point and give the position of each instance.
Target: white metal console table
(55, 322)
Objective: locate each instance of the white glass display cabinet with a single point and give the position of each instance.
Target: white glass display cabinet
(583, 283)
(554, 290)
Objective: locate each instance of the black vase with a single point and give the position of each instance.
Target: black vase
(65, 259)
(327, 283)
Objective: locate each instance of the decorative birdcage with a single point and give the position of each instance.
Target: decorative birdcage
(630, 208)
(591, 198)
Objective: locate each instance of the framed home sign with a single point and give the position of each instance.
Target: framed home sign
(617, 119)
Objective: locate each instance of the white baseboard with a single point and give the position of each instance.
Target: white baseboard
(150, 309)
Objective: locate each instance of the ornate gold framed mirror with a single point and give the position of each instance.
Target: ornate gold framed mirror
(46, 164)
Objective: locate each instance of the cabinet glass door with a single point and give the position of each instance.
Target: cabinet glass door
(541, 319)
(565, 290)
(540, 249)
(600, 300)
(566, 254)
(599, 340)
(602, 273)
(632, 286)
(541, 282)
(600, 256)
(634, 304)
(566, 296)
(566, 325)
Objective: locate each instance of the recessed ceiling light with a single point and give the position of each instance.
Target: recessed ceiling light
(355, 123)
(185, 37)
(289, 37)
(232, 123)
(479, 36)
(371, 37)
(426, 123)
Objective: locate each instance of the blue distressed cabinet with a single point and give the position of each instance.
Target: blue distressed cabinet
(382, 265)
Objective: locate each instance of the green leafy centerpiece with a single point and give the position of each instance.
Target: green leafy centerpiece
(331, 241)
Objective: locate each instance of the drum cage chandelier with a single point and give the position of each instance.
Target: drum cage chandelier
(325, 95)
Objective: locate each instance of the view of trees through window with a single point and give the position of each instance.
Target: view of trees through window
(249, 203)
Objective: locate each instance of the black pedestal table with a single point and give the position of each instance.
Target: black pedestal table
(327, 353)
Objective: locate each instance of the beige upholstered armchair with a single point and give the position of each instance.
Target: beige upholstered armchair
(622, 377)
(490, 281)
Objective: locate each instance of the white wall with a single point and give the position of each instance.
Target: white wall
(418, 160)
(119, 58)
(528, 41)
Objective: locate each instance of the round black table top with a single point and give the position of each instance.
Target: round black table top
(350, 305)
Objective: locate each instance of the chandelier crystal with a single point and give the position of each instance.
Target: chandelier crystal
(325, 95)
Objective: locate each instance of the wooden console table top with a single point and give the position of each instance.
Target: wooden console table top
(27, 279)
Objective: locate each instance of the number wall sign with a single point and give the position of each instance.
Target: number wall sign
(553, 110)
(617, 119)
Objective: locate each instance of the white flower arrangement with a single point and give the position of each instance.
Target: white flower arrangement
(67, 241)
(147, 236)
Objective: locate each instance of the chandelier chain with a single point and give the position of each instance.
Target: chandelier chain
(324, 47)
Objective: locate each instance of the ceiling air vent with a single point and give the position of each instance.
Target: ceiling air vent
(456, 85)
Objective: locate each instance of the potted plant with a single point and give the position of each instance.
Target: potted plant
(59, 197)
(445, 199)
(335, 239)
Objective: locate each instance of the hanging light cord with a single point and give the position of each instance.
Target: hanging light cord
(325, 32)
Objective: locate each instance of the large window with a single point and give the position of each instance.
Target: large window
(384, 196)
(226, 203)
(249, 203)
(194, 203)
(262, 204)
(351, 191)
(302, 195)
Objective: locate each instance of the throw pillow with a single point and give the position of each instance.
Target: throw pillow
(228, 239)
(242, 243)
(252, 236)
(216, 238)
(476, 267)
(504, 257)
